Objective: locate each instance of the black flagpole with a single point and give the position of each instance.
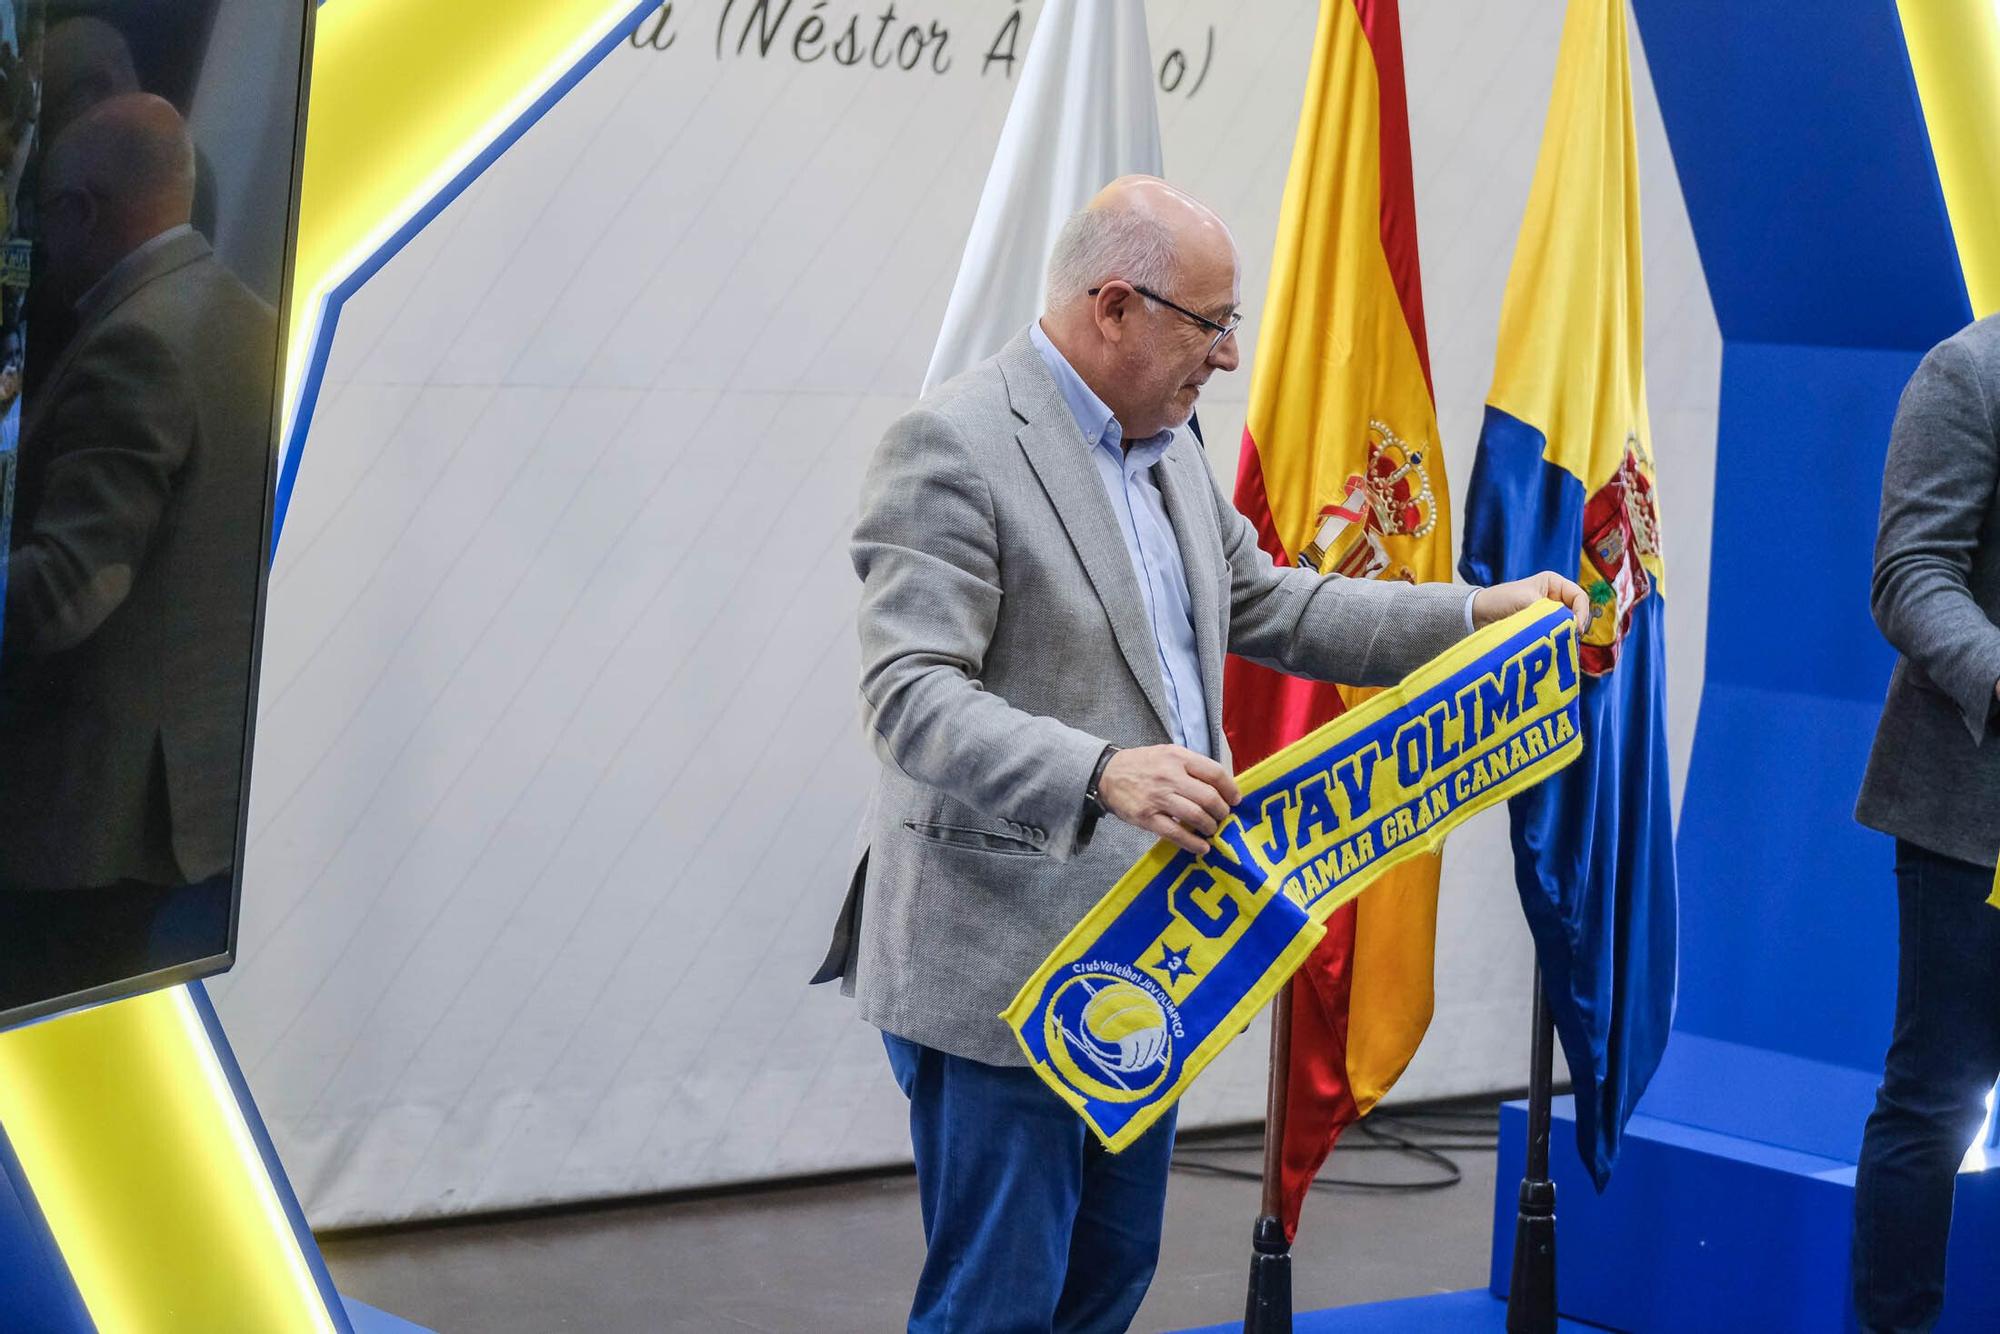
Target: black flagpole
(1268, 1309)
(1531, 1294)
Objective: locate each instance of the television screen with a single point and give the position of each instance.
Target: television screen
(149, 157)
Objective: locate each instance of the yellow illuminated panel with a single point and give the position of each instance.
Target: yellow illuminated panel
(138, 1154)
(405, 95)
(1955, 52)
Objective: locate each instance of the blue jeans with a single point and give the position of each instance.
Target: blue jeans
(1030, 1226)
(1943, 1058)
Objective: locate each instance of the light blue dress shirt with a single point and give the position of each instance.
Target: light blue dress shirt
(1127, 475)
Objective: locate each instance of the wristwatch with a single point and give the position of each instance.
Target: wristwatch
(1092, 802)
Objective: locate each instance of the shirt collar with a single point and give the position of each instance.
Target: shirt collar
(132, 260)
(1093, 417)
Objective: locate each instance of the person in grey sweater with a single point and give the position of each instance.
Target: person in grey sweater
(1933, 782)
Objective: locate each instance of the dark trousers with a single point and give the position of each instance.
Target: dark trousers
(1030, 1226)
(1943, 1058)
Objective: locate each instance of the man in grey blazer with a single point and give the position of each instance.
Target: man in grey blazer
(126, 654)
(1933, 781)
(1050, 581)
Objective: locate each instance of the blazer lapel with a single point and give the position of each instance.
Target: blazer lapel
(118, 288)
(1193, 529)
(1060, 458)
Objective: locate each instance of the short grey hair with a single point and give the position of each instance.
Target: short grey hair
(1100, 244)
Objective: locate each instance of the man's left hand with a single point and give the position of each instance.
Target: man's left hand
(1503, 600)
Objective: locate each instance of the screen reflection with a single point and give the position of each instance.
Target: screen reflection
(149, 151)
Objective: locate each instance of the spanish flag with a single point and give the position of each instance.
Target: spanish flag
(1564, 481)
(1340, 471)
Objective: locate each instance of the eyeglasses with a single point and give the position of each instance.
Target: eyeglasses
(1222, 331)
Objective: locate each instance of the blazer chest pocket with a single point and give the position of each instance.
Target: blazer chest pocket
(972, 840)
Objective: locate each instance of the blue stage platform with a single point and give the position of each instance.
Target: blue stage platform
(1707, 1229)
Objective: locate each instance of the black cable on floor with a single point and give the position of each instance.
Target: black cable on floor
(1425, 1136)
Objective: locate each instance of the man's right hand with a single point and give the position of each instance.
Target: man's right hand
(1169, 791)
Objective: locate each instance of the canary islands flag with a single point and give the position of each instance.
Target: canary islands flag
(1564, 481)
(1340, 472)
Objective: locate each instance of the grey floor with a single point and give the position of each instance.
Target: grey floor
(835, 1258)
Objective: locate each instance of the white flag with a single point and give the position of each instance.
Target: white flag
(1084, 115)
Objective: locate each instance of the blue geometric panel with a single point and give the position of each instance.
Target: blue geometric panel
(1807, 171)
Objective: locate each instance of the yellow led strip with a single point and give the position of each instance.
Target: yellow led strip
(1955, 53)
(139, 1157)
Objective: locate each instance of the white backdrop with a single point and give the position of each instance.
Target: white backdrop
(558, 763)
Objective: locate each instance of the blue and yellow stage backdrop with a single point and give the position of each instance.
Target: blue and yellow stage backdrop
(1838, 165)
(411, 101)
(138, 1187)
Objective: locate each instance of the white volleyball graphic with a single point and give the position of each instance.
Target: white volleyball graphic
(1123, 1029)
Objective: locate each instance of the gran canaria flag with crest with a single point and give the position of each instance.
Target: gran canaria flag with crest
(1173, 962)
(1564, 480)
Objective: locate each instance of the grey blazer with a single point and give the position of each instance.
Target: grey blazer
(1934, 775)
(1003, 644)
(132, 591)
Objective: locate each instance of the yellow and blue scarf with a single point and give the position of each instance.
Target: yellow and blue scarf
(1172, 964)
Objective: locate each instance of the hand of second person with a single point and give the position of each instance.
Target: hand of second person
(1169, 791)
(1503, 600)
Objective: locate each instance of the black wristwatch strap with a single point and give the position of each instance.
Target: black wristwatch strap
(1091, 800)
